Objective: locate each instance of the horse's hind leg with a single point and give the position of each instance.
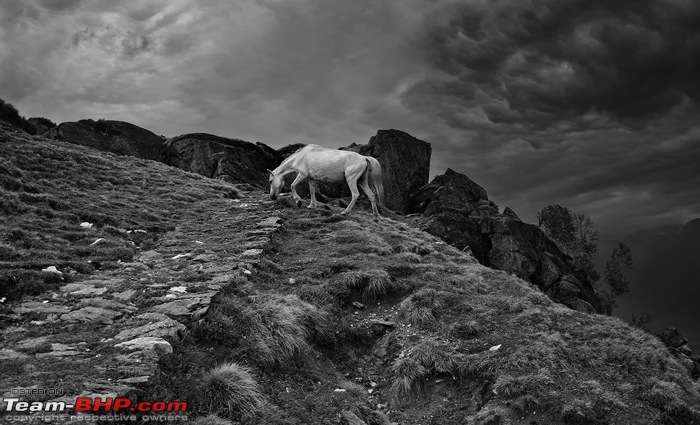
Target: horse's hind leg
(352, 183)
(364, 185)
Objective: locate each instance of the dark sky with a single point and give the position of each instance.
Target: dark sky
(590, 104)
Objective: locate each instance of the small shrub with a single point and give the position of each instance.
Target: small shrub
(422, 307)
(509, 386)
(372, 283)
(410, 374)
(231, 386)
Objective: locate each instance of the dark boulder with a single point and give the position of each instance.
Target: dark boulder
(41, 125)
(457, 210)
(117, 137)
(451, 191)
(231, 160)
(405, 164)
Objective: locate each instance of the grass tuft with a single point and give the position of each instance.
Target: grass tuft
(231, 386)
(372, 283)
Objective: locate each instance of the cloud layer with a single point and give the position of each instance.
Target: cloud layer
(589, 104)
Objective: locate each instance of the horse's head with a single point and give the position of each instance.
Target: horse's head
(276, 183)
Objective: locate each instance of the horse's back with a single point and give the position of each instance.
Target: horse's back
(328, 164)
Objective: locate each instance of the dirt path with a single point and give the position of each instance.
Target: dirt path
(102, 336)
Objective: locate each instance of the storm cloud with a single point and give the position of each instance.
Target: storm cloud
(589, 104)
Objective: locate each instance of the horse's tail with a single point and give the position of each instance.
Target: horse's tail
(375, 170)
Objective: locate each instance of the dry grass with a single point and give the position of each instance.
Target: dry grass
(48, 188)
(231, 387)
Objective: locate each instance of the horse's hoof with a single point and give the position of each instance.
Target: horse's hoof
(298, 203)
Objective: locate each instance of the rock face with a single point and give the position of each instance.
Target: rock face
(458, 210)
(405, 164)
(117, 137)
(232, 160)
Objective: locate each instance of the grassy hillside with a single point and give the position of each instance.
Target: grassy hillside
(436, 338)
(339, 317)
(48, 188)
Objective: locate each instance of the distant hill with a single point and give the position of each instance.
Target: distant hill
(118, 137)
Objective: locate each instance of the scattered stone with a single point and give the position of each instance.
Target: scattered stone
(79, 289)
(358, 305)
(178, 256)
(86, 225)
(32, 343)
(166, 327)
(252, 252)
(269, 222)
(155, 344)
(495, 347)
(52, 269)
(41, 308)
(92, 314)
(125, 295)
(186, 305)
(7, 354)
(339, 390)
(178, 289)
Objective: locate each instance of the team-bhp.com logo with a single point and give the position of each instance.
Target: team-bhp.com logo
(94, 409)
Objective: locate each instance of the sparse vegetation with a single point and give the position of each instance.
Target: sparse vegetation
(48, 190)
(231, 387)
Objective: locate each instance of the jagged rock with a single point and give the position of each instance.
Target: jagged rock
(509, 213)
(457, 210)
(449, 191)
(231, 160)
(41, 125)
(118, 137)
(672, 338)
(405, 164)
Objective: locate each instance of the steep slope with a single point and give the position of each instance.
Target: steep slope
(321, 318)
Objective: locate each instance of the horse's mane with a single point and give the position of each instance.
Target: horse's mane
(293, 156)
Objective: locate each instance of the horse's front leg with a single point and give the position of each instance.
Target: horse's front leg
(300, 177)
(312, 192)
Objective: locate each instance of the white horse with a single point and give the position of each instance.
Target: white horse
(330, 166)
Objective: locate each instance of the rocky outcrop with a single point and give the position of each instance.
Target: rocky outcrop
(681, 349)
(231, 160)
(458, 210)
(117, 137)
(405, 164)
(41, 125)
